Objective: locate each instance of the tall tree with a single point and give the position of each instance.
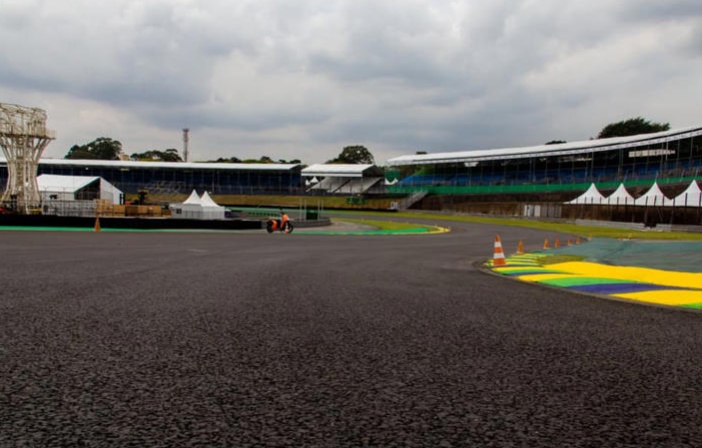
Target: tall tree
(225, 160)
(632, 126)
(169, 155)
(102, 148)
(262, 159)
(354, 155)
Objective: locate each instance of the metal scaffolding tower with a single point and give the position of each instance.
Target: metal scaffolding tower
(23, 138)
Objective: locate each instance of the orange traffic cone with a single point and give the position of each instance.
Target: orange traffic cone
(499, 257)
(97, 224)
(520, 248)
(577, 241)
(546, 243)
(557, 243)
(570, 241)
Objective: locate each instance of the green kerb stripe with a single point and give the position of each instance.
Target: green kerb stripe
(531, 270)
(581, 281)
(697, 306)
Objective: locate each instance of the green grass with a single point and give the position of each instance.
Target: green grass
(330, 203)
(386, 225)
(561, 258)
(583, 231)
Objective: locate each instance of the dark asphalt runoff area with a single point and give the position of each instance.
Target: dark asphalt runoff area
(238, 340)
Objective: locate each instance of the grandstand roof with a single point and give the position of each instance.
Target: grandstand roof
(337, 170)
(583, 147)
(177, 165)
(50, 182)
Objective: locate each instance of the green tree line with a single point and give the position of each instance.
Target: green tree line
(105, 148)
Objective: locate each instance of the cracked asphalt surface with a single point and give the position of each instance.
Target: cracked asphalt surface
(170, 340)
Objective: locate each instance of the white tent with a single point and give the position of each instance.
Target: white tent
(72, 188)
(691, 197)
(196, 207)
(191, 208)
(211, 210)
(620, 197)
(653, 197)
(591, 196)
(193, 199)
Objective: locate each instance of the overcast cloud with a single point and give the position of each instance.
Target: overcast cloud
(304, 79)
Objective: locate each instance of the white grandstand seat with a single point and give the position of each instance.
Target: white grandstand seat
(359, 185)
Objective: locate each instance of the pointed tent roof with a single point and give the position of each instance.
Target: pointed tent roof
(654, 196)
(691, 197)
(207, 201)
(591, 196)
(620, 196)
(194, 199)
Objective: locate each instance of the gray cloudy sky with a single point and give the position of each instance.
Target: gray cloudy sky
(303, 79)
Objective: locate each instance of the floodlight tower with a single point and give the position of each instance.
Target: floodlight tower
(23, 137)
(186, 140)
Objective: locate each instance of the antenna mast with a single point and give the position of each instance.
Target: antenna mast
(186, 140)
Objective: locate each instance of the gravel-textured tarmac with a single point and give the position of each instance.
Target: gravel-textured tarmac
(172, 340)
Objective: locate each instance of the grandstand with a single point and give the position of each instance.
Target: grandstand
(544, 181)
(343, 179)
(493, 181)
(670, 156)
(180, 178)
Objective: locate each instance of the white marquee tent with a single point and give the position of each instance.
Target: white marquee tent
(196, 207)
(591, 196)
(653, 197)
(620, 197)
(691, 197)
(74, 188)
(211, 210)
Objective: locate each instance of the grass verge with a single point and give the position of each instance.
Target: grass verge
(561, 258)
(387, 225)
(583, 231)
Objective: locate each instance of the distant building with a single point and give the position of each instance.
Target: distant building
(77, 188)
(179, 178)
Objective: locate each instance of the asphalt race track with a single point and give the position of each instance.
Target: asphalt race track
(170, 340)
